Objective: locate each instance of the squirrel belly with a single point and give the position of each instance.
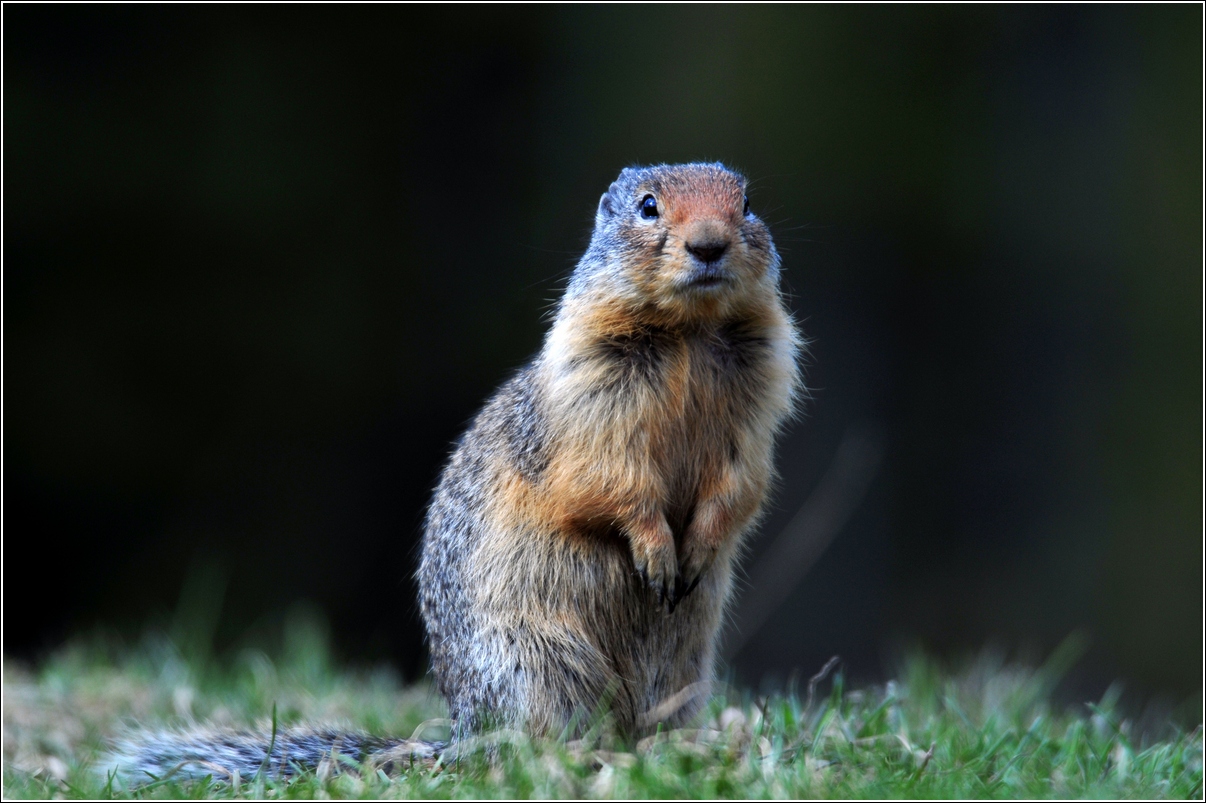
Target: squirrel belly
(578, 551)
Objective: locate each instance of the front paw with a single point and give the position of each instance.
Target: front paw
(697, 558)
(657, 566)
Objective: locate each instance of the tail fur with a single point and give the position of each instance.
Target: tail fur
(148, 756)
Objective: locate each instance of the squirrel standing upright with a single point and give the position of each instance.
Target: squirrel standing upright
(578, 552)
(579, 549)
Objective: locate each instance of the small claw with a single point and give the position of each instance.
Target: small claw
(692, 585)
(659, 577)
(694, 566)
(678, 593)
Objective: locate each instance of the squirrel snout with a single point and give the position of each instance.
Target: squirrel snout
(707, 250)
(706, 239)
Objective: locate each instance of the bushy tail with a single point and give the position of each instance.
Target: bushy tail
(147, 756)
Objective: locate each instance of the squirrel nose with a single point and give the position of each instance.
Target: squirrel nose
(708, 250)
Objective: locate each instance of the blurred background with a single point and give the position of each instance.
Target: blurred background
(262, 264)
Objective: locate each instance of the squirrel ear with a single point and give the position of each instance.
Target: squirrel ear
(607, 204)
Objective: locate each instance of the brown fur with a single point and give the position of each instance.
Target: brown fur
(596, 574)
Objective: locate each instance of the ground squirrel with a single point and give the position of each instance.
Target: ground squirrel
(578, 551)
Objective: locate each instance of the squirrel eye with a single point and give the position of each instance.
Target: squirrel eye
(648, 207)
(746, 210)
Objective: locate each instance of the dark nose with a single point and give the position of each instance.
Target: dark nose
(708, 250)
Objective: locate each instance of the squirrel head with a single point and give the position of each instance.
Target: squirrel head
(678, 242)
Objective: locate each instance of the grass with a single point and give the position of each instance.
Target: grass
(985, 731)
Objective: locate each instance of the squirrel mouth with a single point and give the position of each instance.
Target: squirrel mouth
(707, 276)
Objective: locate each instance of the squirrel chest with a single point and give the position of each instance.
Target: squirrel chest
(681, 406)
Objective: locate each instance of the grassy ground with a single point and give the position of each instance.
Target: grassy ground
(985, 731)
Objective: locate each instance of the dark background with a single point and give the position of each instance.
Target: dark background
(261, 264)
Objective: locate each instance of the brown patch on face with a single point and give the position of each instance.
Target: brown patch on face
(701, 193)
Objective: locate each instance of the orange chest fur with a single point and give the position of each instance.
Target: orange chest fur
(654, 419)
